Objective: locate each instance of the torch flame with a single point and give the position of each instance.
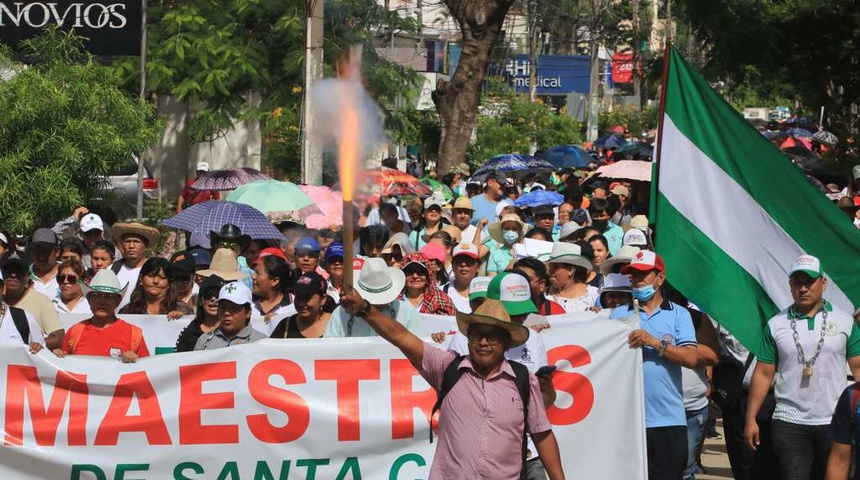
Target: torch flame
(348, 148)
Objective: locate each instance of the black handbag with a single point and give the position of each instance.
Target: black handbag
(728, 380)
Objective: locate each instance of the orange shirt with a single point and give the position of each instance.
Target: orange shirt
(109, 341)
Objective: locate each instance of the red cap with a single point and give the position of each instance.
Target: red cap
(272, 251)
(645, 261)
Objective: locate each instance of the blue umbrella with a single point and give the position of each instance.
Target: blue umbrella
(609, 141)
(212, 215)
(538, 198)
(799, 132)
(567, 156)
(512, 162)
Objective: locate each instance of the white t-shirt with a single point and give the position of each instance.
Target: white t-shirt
(83, 306)
(460, 302)
(695, 385)
(578, 304)
(126, 276)
(49, 289)
(9, 334)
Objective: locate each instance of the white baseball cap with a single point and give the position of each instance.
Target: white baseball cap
(468, 249)
(807, 264)
(635, 237)
(90, 222)
(514, 291)
(235, 292)
(503, 204)
(203, 166)
(478, 287)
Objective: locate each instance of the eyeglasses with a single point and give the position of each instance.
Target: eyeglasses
(491, 338)
(67, 278)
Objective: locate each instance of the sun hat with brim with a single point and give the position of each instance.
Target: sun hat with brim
(495, 229)
(463, 203)
(570, 254)
(513, 291)
(493, 313)
(623, 256)
(400, 239)
(378, 283)
(453, 231)
(150, 234)
(640, 222)
(616, 282)
(229, 233)
(478, 287)
(225, 265)
(104, 281)
(568, 229)
(807, 264)
(645, 261)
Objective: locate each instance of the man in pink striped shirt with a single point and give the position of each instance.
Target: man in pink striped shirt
(482, 422)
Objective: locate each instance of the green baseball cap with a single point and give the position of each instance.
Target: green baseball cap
(513, 291)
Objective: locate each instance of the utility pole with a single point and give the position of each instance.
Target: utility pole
(533, 39)
(311, 152)
(594, 87)
(637, 88)
(142, 93)
(668, 22)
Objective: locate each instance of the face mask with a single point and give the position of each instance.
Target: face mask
(643, 294)
(600, 224)
(511, 236)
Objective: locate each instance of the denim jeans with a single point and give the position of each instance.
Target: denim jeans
(535, 470)
(801, 450)
(696, 420)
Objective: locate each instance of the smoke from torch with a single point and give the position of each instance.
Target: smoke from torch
(347, 117)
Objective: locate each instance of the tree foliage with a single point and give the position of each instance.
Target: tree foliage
(212, 55)
(65, 123)
(509, 122)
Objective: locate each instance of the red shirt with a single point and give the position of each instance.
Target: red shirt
(109, 341)
(548, 307)
(193, 197)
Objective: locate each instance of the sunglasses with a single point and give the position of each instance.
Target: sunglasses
(389, 256)
(210, 294)
(229, 245)
(415, 270)
(67, 278)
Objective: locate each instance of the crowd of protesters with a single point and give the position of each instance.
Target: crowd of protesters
(473, 257)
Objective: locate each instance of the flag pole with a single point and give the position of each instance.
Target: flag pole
(655, 175)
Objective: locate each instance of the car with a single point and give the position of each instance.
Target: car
(123, 180)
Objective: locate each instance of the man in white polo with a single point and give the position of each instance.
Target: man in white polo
(805, 348)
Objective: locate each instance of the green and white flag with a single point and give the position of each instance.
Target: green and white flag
(732, 212)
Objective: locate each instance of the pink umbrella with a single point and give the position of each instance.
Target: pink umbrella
(627, 169)
(329, 201)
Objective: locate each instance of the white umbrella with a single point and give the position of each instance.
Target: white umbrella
(628, 170)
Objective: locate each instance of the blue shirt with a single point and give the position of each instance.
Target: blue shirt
(484, 208)
(664, 397)
(843, 426)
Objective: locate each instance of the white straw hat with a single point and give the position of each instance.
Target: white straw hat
(104, 281)
(378, 283)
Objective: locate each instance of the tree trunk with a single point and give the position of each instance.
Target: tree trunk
(456, 100)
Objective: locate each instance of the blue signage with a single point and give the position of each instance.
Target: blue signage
(556, 74)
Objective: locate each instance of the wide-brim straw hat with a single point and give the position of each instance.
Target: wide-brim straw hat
(493, 312)
(378, 283)
(570, 254)
(495, 229)
(225, 265)
(104, 281)
(151, 234)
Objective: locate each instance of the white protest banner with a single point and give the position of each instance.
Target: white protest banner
(277, 409)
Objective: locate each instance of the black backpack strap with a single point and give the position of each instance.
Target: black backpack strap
(523, 386)
(450, 377)
(20, 318)
(116, 267)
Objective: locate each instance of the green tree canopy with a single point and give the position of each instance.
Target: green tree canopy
(65, 122)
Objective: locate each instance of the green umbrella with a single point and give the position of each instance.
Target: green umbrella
(270, 196)
(438, 186)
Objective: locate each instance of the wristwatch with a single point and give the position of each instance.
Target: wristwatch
(364, 311)
(663, 346)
